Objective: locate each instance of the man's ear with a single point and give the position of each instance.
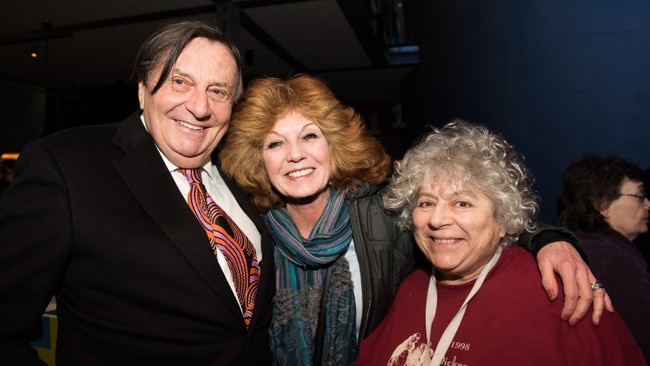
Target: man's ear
(142, 89)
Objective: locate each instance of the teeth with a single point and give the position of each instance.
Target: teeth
(444, 241)
(300, 173)
(187, 125)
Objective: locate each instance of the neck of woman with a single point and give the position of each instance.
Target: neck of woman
(305, 213)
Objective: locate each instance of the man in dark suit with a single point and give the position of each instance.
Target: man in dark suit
(98, 217)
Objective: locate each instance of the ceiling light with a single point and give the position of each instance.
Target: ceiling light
(34, 52)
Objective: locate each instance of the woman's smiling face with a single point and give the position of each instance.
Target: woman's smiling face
(456, 230)
(297, 158)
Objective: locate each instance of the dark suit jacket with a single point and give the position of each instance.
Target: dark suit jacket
(95, 218)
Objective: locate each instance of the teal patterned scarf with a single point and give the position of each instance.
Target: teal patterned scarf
(301, 267)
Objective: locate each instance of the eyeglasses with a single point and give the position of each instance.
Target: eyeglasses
(640, 196)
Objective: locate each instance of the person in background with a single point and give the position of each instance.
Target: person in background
(467, 197)
(604, 201)
(642, 241)
(99, 216)
(314, 170)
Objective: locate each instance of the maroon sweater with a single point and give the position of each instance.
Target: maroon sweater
(509, 321)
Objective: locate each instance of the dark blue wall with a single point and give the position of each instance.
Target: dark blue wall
(556, 78)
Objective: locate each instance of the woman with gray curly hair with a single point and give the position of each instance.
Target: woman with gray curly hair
(467, 196)
(469, 156)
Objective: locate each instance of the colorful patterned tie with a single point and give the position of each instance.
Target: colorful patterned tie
(226, 236)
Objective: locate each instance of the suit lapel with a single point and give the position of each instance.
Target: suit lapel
(146, 175)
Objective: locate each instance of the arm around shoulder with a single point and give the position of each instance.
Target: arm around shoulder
(547, 234)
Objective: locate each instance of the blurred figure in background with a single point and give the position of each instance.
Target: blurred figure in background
(643, 240)
(604, 202)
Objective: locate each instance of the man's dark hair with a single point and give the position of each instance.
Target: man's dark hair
(164, 46)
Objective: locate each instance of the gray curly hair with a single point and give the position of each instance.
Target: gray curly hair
(479, 160)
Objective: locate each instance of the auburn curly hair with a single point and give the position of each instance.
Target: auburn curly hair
(355, 154)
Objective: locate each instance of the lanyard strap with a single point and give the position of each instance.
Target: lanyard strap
(452, 327)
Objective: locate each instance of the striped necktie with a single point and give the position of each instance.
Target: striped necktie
(227, 237)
